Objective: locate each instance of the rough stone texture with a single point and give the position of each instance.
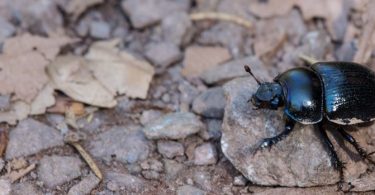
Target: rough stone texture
(150, 115)
(232, 69)
(170, 149)
(4, 101)
(213, 129)
(176, 28)
(30, 137)
(163, 54)
(2, 163)
(24, 189)
(292, 162)
(5, 187)
(172, 168)
(85, 186)
(128, 145)
(56, 170)
(126, 181)
(6, 30)
(189, 190)
(177, 125)
(205, 154)
(210, 103)
(100, 29)
(148, 12)
(331, 190)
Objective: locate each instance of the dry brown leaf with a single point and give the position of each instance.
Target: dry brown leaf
(23, 65)
(271, 8)
(64, 104)
(43, 100)
(77, 7)
(221, 16)
(71, 76)
(199, 59)
(19, 110)
(16, 175)
(119, 71)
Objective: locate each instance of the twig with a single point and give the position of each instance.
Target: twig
(308, 59)
(221, 16)
(16, 175)
(86, 156)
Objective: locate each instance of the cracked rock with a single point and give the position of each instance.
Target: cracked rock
(30, 137)
(56, 170)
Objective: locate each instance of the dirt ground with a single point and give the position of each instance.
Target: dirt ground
(141, 86)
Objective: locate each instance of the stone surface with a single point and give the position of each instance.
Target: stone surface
(172, 168)
(170, 149)
(205, 154)
(2, 163)
(292, 162)
(213, 129)
(85, 186)
(5, 187)
(4, 101)
(177, 125)
(125, 144)
(233, 69)
(163, 54)
(150, 115)
(189, 190)
(130, 183)
(30, 137)
(176, 28)
(56, 170)
(240, 180)
(210, 103)
(100, 30)
(315, 44)
(6, 30)
(24, 189)
(148, 12)
(199, 59)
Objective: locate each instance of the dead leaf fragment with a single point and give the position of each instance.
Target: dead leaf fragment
(43, 100)
(199, 59)
(119, 71)
(271, 8)
(16, 175)
(64, 104)
(23, 64)
(71, 76)
(77, 7)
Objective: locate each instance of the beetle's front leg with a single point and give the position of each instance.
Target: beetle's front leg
(269, 142)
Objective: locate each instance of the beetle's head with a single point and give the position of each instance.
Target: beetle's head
(268, 95)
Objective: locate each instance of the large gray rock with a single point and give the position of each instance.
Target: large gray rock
(128, 145)
(292, 162)
(301, 159)
(177, 125)
(56, 170)
(30, 137)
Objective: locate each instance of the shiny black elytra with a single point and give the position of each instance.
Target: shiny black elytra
(339, 92)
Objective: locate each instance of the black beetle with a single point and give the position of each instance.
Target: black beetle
(339, 92)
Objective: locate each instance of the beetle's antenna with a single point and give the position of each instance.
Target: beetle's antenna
(247, 69)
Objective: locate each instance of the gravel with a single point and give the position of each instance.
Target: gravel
(128, 182)
(210, 103)
(30, 137)
(205, 154)
(25, 188)
(5, 187)
(125, 144)
(170, 149)
(177, 125)
(85, 186)
(189, 190)
(163, 54)
(56, 170)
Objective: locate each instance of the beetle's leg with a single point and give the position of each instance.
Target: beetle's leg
(337, 164)
(355, 144)
(269, 142)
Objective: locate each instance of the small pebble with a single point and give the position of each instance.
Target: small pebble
(85, 186)
(189, 190)
(163, 54)
(240, 180)
(210, 103)
(100, 29)
(205, 154)
(170, 149)
(150, 174)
